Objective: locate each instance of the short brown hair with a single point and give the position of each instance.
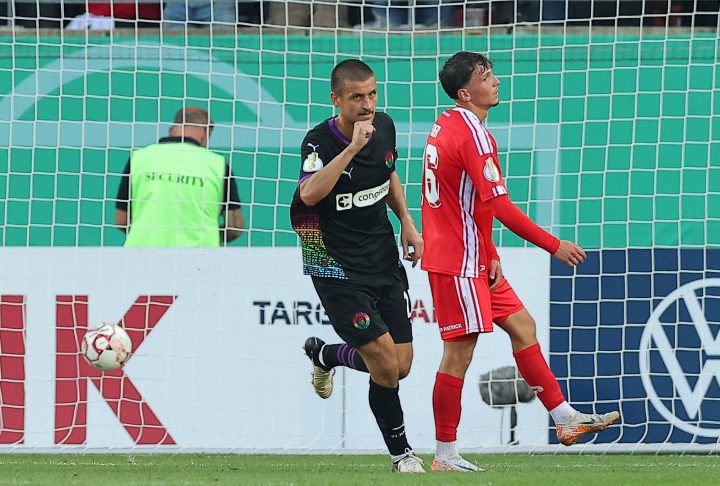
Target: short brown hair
(349, 70)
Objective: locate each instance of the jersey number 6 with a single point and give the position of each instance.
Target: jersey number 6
(431, 188)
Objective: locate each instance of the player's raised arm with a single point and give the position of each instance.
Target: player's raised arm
(314, 188)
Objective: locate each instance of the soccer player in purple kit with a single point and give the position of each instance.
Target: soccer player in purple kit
(349, 249)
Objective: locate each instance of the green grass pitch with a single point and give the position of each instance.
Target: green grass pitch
(187, 469)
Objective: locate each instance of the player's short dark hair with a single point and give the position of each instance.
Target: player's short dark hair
(193, 116)
(349, 70)
(458, 70)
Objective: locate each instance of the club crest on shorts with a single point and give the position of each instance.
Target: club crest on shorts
(491, 171)
(361, 321)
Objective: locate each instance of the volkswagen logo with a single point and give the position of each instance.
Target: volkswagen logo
(682, 379)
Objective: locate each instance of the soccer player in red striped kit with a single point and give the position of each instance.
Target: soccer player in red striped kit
(463, 191)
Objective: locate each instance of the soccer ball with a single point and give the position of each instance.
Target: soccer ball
(106, 347)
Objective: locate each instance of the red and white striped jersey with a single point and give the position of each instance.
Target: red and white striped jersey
(461, 173)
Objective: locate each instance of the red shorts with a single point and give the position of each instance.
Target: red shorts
(465, 305)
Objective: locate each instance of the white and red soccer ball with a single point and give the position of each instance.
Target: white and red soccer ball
(107, 347)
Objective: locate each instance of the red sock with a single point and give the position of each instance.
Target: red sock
(536, 372)
(446, 406)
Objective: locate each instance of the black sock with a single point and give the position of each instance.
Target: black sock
(342, 355)
(385, 405)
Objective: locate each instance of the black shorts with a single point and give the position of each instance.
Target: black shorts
(362, 311)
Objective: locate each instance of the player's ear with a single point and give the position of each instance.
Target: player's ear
(335, 99)
(463, 94)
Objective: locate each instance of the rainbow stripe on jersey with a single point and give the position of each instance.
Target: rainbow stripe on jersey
(316, 259)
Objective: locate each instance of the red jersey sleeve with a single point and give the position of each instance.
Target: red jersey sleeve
(519, 223)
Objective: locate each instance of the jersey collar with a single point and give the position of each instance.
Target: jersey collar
(185, 139)
(336, 131)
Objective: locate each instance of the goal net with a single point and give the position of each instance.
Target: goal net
(609, 135)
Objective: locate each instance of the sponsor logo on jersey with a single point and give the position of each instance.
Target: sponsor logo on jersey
(361, 199)
(343, 202)
(361, 321)
(435, 130)
(368, 197)
(491, 171)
